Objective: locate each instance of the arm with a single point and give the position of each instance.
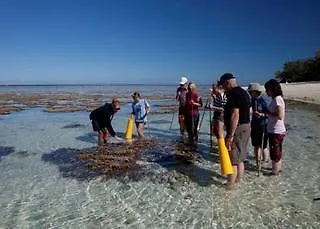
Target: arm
(233, 122)
(133, 111)
(198, 102)
(110, 128)
(279, 112)
(233, 126)
(279, 109)
(212, 107)
(148, 108)
(177, 94)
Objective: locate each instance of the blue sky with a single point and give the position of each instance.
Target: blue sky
(152, 41)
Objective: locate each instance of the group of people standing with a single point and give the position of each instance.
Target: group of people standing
(232, 107)
(189, 101)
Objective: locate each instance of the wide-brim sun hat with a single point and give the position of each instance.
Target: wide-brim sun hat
(183, 80)
(255, 87)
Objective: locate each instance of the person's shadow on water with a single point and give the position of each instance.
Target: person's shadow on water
(182, 159)
(5, 151)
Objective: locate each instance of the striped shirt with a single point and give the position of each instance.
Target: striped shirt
(219, 100)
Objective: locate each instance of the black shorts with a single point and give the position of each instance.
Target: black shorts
(217, 115)
(96, 126)
(257, 133)
(182, 111)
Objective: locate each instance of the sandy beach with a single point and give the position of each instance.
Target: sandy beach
(302, 92)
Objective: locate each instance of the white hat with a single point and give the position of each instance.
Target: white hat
(183, 80)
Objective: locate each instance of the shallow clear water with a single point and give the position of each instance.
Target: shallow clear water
(44, 186)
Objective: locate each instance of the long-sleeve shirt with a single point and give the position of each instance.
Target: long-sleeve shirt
(103, 115)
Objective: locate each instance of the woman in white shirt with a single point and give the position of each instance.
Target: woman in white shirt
(276, 128)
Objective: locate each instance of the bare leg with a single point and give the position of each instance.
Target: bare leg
(140, 130)
(276, 167)
(265, 155)
(232, 178)
(100, 138)
(105, 137)
(220, 129)
(182, 124)
(257, 155)
(240, 171)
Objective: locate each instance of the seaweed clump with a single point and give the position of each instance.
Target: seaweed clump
(115, 159)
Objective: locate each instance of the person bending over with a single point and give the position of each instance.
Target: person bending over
(101, 120)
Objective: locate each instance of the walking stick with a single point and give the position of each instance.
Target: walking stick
(261, 149)
(260, 155)
(172, 119)
(200, 124)
(204, 111)
(210, 121)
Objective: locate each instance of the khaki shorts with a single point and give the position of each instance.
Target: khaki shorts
(239, 148)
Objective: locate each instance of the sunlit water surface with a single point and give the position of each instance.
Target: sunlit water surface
(43, 185)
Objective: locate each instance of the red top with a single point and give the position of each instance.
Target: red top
(195, 97)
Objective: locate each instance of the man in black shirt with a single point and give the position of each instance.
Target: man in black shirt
(101, 120)
(237, 122)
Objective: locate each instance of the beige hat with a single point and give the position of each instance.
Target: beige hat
(254, 87)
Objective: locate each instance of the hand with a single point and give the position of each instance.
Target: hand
(228, 141)
(258, 114)
(117, 138)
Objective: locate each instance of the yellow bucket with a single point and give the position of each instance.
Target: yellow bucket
(128, 134)
(225, 163)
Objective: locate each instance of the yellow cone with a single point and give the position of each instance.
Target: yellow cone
(128, 134)
(225, 163)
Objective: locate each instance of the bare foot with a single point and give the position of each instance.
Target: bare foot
(228, 186)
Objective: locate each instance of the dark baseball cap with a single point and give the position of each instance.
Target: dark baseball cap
(225, 77)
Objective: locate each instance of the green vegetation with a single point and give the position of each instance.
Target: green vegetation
(300, 70)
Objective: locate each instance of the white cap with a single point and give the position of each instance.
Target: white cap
(183, 80)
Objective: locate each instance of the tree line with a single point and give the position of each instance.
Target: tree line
(300, 70)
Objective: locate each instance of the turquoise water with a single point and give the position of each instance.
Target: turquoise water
(43, 185)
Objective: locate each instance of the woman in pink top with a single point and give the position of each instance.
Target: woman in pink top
(193, 102)
(276, 128)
